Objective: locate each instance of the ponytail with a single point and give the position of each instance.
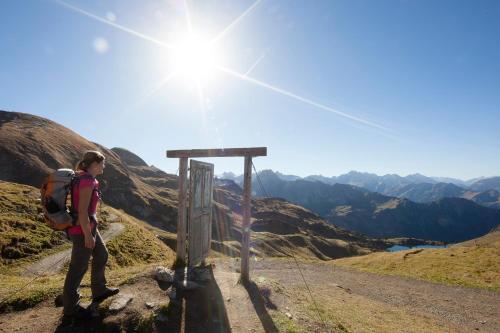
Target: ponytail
(88, 158)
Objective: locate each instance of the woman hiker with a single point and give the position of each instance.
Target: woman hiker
(86, 238)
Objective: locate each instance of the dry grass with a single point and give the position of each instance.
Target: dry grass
(135, 251)
(21, 293)
(23, 235)
(137, 245)
(285, 325)
(340, 312)
(345, 312)
(465, 265)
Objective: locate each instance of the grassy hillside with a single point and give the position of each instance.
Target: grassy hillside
(25, 239)
(33, 146)
(23, 235)
(136, 245)
(475, 263)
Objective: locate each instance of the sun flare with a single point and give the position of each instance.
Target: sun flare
(196, 58)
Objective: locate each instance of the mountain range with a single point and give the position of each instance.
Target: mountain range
(378, 215)
(416, 187)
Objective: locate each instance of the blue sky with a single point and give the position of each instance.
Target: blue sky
(417, 82)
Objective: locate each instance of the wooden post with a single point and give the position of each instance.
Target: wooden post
(245, 241)
(181, 221)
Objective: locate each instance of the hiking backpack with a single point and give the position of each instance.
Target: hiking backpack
(54, 194)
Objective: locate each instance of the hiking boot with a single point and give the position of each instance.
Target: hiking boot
(58, 301)
(108, 293)
(79, 314)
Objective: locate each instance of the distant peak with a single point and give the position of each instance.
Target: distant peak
(229, 174)
(128, 157)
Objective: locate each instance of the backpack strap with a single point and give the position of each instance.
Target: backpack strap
(75, 181)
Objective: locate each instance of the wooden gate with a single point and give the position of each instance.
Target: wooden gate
(200, 211)
(198, 252)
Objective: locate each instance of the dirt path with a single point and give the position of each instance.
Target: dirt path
(45, 317)
(243, 310)
(224, 305)
(54, 263)
(465, 308)
(221, 306)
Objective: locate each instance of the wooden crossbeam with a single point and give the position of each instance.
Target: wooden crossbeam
(226, 152)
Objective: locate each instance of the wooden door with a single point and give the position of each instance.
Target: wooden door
(200, 211)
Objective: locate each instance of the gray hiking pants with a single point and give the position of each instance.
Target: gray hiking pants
(80, 256)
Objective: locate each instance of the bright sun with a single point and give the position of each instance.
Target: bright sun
(196, 58)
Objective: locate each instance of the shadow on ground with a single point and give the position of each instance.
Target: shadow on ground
(260, 303)
(197, 307)
(198, 310)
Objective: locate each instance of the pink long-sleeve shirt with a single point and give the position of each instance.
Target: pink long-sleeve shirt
(85, 182)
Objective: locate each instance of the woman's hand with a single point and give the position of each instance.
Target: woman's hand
(89, 241)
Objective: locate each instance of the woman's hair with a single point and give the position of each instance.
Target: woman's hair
(88, 158)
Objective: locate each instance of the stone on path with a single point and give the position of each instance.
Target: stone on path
(171, 293)
(120, 302)
(163, 274)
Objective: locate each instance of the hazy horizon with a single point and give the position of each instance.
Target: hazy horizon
(364, 172)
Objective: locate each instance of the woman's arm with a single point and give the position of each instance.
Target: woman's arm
(83, 215)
